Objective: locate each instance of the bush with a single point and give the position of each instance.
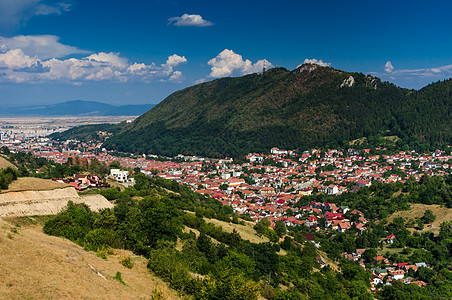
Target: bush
(73, 223)
(164, 263)
(98, 238)
(127, 262)
(228, 286)
(118, 277)
(103, 252)
(7, 176)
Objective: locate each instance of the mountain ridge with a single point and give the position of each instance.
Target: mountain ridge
(279, 108)
(77, 108)
(307, 107)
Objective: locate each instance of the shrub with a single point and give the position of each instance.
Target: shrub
(127, 262)
(118, 277)
(164, 263)
(100, 237)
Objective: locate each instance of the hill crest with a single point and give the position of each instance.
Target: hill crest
(308, 106)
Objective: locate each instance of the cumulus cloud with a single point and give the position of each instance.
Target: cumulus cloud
(16, 59)
(40, 46)
(109, 59)
(174, 60)
(37, 66)
(388, 67)
(175, 76)
(228, 62)
(189, 20)
(316, 62)
(17, 12)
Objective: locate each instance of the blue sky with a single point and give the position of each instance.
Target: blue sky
(133, 52)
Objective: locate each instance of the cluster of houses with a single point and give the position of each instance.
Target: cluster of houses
(397, 271)
(270, 189)
(334, 217)
(82, 182)
(385, 272)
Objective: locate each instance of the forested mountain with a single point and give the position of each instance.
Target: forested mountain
(309, 106)
(88, 132)
(77, 108)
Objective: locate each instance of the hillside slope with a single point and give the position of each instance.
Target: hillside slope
(417, 210)
(5, 163)
(231, 116)
(37, 266)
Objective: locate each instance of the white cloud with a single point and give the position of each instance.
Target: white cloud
(111, 59)
(175, 60)
(175, 76)
(315, 62)
(17, 12)
(228, 62)
(202, 80)
(388, 67)
(41, 46)
(172, 62)
(137, 67)
(58, 8)
(17, 66)
(16, 59)
(189, 20)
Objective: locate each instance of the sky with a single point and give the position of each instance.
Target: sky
(139, 52)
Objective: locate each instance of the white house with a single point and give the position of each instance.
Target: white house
(253, 158)
(377, 280)
(332, 189)
(121, 176)
(278, 151)
(225, 176)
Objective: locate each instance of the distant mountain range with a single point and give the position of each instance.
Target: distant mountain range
(77, 108)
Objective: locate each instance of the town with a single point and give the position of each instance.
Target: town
(269, 185)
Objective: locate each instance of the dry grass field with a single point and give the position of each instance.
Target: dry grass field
(4, 163)
(116, 184)
(247, 231)
(34, 184)
(37, 266)
(417, 210)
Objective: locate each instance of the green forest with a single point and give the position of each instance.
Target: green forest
(290, 110)
(87, 133)
(150, 218)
